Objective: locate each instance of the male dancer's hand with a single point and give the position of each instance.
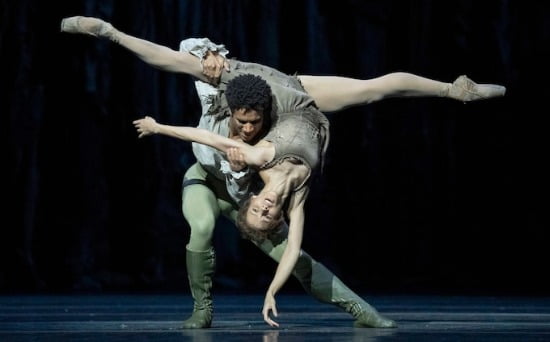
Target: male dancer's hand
(212, 66)
(236, 159)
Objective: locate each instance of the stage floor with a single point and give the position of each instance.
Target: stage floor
(109, 318)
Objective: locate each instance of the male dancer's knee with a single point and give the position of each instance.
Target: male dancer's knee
(202, 230)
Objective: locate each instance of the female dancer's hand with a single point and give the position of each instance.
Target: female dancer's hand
(269, 306)
(146, 126)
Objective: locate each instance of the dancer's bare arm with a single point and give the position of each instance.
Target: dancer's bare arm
(290, 255)
(253, 155)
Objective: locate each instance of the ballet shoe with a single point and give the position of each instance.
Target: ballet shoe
(466, 90)
(90, 26)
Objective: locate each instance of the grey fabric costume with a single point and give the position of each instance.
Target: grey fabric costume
(303, 136)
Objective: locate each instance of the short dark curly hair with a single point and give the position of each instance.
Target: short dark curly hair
(247, 232)
(249, 92)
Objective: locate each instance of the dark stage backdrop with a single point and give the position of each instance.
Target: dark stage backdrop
(418, 195)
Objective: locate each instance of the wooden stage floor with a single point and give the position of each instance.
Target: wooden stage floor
(110, 318)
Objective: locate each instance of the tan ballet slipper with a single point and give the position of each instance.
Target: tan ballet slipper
(91, 26)
(466, 90)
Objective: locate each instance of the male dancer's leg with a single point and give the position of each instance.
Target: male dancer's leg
(201, 211)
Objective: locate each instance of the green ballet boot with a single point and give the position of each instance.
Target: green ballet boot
(200, 269)
(324, 286)
(327, 288)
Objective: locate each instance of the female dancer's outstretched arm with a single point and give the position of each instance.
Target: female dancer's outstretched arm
(254, 156)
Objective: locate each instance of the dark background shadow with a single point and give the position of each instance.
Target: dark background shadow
(418, 195)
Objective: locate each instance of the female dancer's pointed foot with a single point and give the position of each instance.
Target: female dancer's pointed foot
(466, 90)
(88, 25)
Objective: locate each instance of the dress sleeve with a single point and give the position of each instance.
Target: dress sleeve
(199, 46)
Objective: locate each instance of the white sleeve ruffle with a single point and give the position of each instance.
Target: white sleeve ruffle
(199, 46)
(238, 183)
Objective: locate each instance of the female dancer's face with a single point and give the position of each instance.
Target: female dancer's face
(246, 123)
(265, 210)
